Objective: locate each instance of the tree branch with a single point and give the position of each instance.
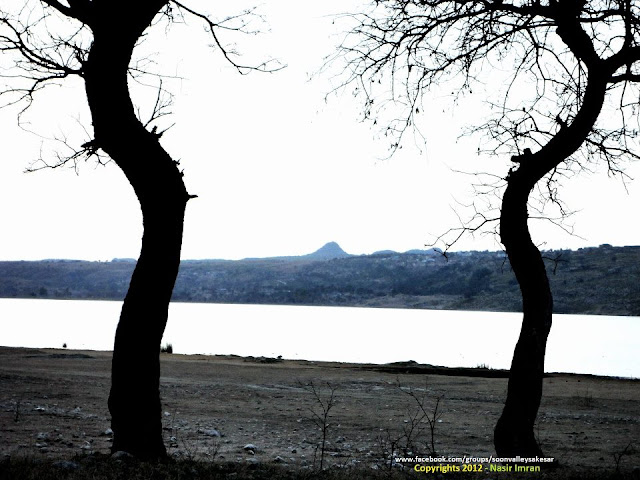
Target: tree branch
(227, 54)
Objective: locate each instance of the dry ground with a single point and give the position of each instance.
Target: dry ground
(53, 404)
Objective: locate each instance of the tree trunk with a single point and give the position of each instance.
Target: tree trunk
(514, 434)
(514, 431)
(134, 401)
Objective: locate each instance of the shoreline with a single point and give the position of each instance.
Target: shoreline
(408, 367)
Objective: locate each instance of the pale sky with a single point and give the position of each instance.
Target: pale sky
(277, 169)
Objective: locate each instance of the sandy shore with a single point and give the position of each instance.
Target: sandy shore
(53, 403)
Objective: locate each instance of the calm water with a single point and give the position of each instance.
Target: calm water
(603, 345)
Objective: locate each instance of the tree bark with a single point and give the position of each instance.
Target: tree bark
(134, 400)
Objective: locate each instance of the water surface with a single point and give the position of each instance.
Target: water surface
(602, 345)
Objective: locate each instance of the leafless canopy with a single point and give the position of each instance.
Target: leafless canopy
(533, 56)
(547, 47)
(44, 42)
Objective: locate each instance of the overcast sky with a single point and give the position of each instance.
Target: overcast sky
(277, 169)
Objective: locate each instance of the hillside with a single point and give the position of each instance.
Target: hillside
(602, 280)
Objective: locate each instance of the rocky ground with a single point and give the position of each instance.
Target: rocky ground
(53, 404)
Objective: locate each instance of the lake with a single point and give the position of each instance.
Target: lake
(601, 345)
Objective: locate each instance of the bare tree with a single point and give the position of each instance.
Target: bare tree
(51, 40)
(562, 64)
(321, 418)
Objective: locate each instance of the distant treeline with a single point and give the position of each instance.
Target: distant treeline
(602, 280)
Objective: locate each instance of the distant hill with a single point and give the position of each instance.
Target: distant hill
(329, 251)
(602, 280)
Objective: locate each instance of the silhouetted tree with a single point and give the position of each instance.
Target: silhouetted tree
(50, 40)
(561, 63)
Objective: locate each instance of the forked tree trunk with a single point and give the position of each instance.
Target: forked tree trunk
(134, 401)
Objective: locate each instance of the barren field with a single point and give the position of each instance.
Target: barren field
(53, 404)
